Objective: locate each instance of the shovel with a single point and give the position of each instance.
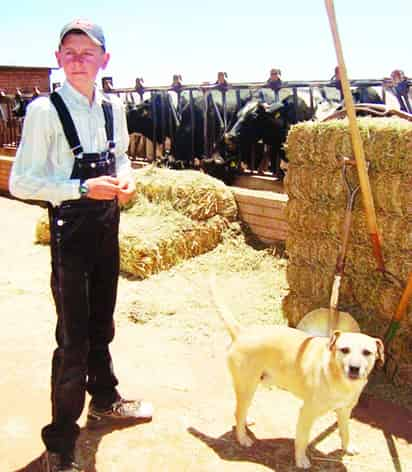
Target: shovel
(322, 322)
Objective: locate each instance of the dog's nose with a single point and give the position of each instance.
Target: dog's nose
(354, 371)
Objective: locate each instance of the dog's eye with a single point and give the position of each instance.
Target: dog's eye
(345, 350)
(366, 353)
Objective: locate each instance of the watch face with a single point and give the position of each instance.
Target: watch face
(84, 189)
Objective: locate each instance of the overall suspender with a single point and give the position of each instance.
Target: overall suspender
(70, 130)
(87, 165)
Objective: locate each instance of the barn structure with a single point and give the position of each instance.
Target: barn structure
(24, 78)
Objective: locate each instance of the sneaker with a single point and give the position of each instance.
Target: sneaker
(55, 462)
(132, 410)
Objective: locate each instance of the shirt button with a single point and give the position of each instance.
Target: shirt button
(60, 222)
(93, 164)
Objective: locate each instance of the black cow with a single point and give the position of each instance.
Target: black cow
(201, 145)
(266, 123)
(195, 138)
(333, 100)
(366, 95)
(208, 146)
(21, 103)
(156, 118)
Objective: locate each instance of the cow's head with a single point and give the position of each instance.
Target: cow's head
(255, 121)
(156, 114)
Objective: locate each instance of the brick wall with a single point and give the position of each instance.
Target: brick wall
(24, 78)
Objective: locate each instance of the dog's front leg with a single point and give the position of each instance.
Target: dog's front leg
(343, 415)
(303, 428)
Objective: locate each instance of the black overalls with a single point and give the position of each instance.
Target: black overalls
(85, 269)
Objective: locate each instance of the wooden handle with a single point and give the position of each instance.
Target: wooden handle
(356, 141)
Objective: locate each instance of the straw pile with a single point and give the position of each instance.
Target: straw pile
(192, 193)
(42, 231)
(174, 216)
(315, 211)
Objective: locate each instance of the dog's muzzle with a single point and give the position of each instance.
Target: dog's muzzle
(354, 372)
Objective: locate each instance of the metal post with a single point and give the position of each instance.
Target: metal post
(295, 102)
(205, 135)
(192, 122)
(154, 118)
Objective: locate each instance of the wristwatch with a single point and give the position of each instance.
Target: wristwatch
(83, 189)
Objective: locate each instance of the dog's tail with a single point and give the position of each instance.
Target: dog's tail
(231, 324)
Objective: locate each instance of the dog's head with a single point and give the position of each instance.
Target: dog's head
(356, 353)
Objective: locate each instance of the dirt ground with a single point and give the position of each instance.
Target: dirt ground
(170, 349)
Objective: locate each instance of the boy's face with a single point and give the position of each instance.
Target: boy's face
(81, 59)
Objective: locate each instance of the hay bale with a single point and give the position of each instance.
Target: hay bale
(318, 144)
(142, 256)
(190, 192)
(315, 213)
(42, 231)
(154, 237)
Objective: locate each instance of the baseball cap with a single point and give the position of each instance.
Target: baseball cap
(93, 31)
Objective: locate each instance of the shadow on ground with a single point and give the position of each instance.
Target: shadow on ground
(86, 447)
(276, 454)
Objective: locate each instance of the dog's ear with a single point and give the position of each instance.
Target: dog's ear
(380, 353)
(333, 338)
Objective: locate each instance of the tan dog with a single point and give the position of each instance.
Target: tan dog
(327, 374)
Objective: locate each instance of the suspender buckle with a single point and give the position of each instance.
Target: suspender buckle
(77, 151)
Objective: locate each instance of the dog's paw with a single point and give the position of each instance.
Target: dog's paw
(351, 450)
(302, 462)
(245, 440)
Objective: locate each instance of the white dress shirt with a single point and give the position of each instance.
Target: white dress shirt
(44, 162)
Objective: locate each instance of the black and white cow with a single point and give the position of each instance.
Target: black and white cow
(268, 124)
(21, 102)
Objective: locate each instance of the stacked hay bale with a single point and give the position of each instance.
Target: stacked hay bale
(174, 216)
(315, 213)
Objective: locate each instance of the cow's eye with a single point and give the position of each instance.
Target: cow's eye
(366, 352)
(345, 350)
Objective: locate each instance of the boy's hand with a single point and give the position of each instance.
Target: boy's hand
(126, 190)
(103, 188)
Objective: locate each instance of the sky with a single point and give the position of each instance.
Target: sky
(155, 39)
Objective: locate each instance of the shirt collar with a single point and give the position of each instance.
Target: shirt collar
(80, 99)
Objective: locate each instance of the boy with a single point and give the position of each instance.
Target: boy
(73, 155)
